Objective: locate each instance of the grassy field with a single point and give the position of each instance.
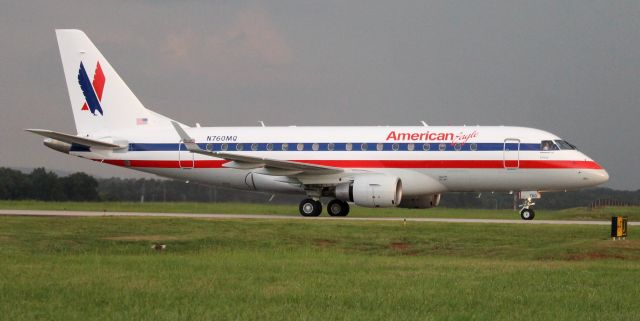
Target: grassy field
(243, 208)
(104, 269)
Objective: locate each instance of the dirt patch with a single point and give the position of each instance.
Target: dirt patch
(324, 243)
(400, 246)
(594, 256)
(142, 238)
(404, 248)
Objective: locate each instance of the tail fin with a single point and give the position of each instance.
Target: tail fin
(101, 101)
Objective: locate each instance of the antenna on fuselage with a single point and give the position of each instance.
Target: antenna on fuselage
(424, 124)
(261, 123)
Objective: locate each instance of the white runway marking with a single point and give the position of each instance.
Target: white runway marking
(286, 217)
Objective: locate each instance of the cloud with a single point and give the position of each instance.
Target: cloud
(250, 48)
(253, 33)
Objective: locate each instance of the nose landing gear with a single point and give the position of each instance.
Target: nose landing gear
(527, 213)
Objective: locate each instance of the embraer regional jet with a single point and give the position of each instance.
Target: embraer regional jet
(384, 166)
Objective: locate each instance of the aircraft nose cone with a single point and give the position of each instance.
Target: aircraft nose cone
(602, 176)
(597, 177)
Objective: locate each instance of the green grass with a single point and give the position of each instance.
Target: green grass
(243, 208)
(103, 268)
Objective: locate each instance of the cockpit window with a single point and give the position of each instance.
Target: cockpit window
(548, 145)
(564, 145)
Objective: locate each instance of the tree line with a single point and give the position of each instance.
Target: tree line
(44, 185)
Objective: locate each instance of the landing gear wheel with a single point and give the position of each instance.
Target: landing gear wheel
(310, 207)
(527, 214)
(338, 208)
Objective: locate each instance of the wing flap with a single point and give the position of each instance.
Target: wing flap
(276, 163)
(247, 161)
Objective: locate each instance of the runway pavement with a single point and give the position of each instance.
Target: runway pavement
(293, 217)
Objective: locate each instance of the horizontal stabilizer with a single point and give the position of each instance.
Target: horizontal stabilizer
(246, 160)
(73, 139)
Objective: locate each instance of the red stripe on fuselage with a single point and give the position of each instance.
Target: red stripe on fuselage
(415, 164)
(537, 164)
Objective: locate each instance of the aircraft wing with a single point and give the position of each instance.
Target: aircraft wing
(246, 161)
(73, 139)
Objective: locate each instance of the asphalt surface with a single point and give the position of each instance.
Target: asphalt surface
(296, 217)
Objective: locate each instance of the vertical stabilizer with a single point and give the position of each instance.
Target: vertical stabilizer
(101, 101)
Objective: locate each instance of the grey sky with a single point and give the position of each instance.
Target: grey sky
(569, 67)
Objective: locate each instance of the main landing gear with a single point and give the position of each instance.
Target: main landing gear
(311, 207)
(527, 213)
(338, 208)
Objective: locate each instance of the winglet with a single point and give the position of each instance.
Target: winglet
(183, 135)
(186, 139)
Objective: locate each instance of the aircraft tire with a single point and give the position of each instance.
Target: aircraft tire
(310, 207)
(338, 208)
(527, 214)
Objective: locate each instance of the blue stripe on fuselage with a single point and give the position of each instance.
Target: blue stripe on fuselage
(356, 147)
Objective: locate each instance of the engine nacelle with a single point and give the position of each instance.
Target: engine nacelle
(373, 190)
(57, 145)
(421, 201)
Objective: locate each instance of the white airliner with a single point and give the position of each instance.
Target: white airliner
(383, 166)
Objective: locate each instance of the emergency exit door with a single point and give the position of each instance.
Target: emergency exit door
(185, 157)
(511, 153)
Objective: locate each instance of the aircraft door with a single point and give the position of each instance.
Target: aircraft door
(511, 153)
(185, 157)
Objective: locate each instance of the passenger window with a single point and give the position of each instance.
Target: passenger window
(426, 146)
(548, 145)
(363, 146)
(411, 146)
(269, 147)
(209, 147)
(348, 146)
(239, 147)
(315, 146)
(285, 147)
(254, 147)
(224, 146)
(442, 147)
(300, 146)
(458, 146)
(473, 147)
(331, 146)
(395, 146)
(379, 146)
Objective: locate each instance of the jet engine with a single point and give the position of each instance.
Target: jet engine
(421, 201)
(372, 190)
(57, 145)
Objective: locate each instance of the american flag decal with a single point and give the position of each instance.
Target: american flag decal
(141, 121)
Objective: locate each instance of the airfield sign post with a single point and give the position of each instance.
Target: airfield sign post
(618, 227)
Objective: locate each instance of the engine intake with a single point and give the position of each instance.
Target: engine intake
(372, 190)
